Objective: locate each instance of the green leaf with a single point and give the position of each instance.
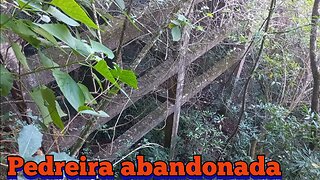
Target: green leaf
(47, 62)
(200, 28)
(44, 34)
(6, 81)
(82, 48)
(23, 30)
(50, 101)
(60, 112)
(89, 110)
(120, 4)
(19, 55)
(32, 4)
(100, 48)
(87, 95)
(5, 21)
(69, 88)
(62, 17)
(176, 33)
(74, 10)
(209, 15)
(125, 76)
(36, 95)
(29, 141)
(103, 69)
(61, 32)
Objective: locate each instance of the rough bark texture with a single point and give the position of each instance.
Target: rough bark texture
(314, 68)
(313, 58)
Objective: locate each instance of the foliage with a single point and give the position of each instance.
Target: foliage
(49, 33)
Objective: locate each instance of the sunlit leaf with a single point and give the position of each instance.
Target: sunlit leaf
(74, 10)
(125, 76)
(103, 69)
(62, 17)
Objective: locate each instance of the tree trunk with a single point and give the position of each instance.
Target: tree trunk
(313, 57)
(314, 68)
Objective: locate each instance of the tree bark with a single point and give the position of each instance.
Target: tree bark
(313, 58)
(314, 69)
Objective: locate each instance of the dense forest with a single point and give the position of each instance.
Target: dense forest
(167, 79)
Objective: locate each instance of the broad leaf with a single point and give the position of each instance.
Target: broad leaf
(69, 88)
(50, 101)
(89, 110)
(176, 33)
(125, 76)
(33, 4)
(72, 9)
(100, 48)
(6, 81)
(95, 113)
(29, 141)
(44, 34)
(87, 95)
(62, 17)
(5, 21)
(19, 55)
(23, 30)
(82, 48)
(103, 69)
(36, 95)
(61, 32)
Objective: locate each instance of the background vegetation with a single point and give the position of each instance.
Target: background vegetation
(65, 67)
